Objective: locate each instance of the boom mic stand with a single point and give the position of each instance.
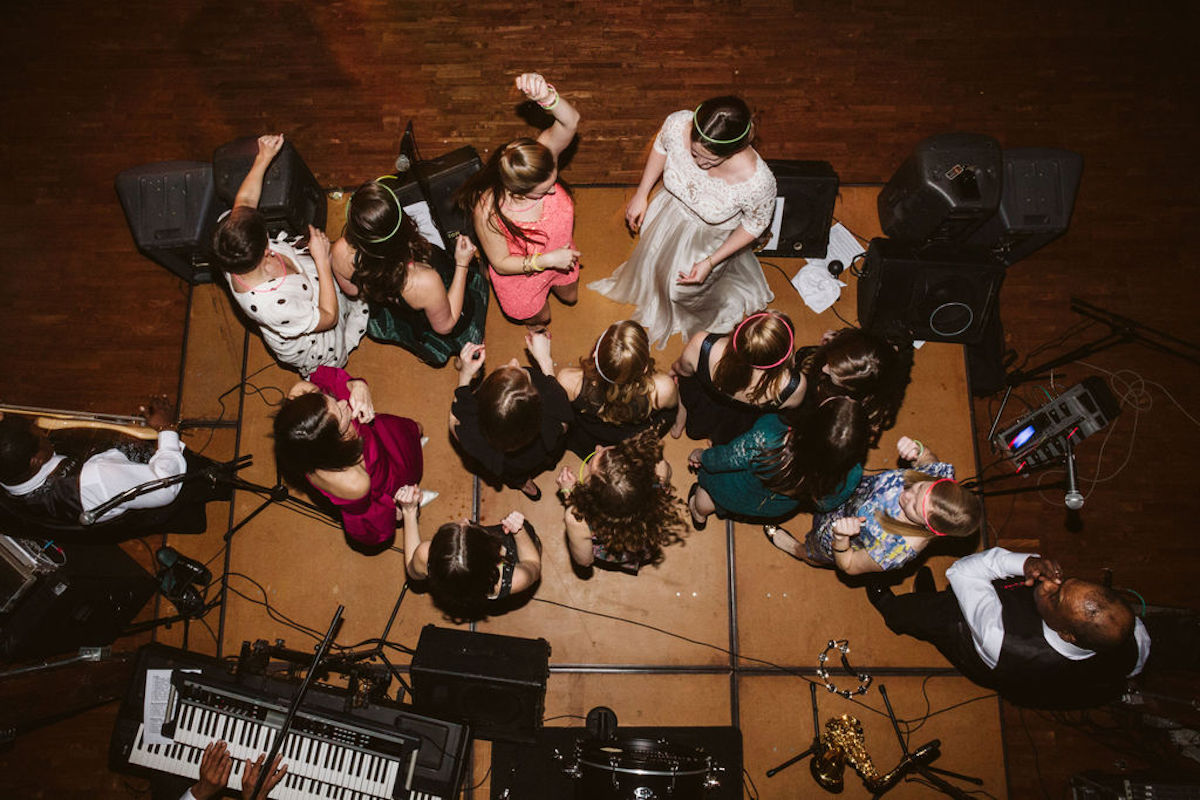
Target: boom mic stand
(918, 761)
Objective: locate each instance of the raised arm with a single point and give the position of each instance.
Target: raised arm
(566, 119)
(250, 191)
(528, 570)
(327, 302)
(579, 536)
(416, 552)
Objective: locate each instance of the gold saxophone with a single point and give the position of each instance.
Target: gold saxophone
(843, 743)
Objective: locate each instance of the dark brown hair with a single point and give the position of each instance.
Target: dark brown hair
(307, 439)
(821, 446)
(383, 248)
(510, 409)
(723, 125)
(240, 240)
(464, 567)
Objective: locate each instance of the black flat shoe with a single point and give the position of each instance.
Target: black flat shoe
(923, 583)
(535, 496)
(702, 524)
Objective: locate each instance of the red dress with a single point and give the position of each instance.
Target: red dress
(522, 296)
(391, 456)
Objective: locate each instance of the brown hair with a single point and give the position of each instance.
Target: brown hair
(385, 241)
(625, 505)
(624, 392)
(510, 409)
(865, 367)
(307, 439)
(760, 338)
(953, 511)
(240, 240)
(723, 125)
(517, 167)
(463, 569)
(820, 447)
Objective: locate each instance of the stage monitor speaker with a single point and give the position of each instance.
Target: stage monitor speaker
(291, 198)
(172, 209)
(497, 684)
(938, 293)
(86, 602)
(1035, 204)
(807, 190)
(440, 180)
(946, 189)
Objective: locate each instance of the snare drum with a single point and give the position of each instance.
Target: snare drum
(640, 769)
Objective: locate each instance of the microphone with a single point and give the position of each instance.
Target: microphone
(1073, 498)
(87, 517)
(402, 163)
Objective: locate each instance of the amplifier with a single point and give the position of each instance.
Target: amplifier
(1040, 437)
(497, 684)
(21, 562)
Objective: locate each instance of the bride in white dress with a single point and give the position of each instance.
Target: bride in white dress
(692, 269)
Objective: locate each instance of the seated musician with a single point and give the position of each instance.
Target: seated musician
(42, 486)
(1012, 622)
(216, 767)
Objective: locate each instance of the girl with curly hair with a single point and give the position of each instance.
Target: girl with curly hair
(615, 391)
(420, 298)
(620, 509)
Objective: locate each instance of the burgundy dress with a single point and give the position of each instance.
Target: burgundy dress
(392, 457)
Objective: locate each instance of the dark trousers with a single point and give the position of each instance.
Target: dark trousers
(935, 617)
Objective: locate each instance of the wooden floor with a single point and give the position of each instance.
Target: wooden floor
(86, 323)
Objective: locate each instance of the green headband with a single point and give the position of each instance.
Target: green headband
(706, 137)
(396, 200)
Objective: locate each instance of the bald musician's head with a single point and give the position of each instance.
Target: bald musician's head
(1085, 613)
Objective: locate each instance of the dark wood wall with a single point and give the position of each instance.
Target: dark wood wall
(90, 89)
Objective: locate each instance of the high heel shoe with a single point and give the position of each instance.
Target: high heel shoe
(691, 504)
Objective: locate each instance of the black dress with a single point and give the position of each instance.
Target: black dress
(712, 414)
(513, 469)
(588, 430)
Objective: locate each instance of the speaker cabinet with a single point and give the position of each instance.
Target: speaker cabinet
(807, 190)
(1035, 204)
(945, 293)
(291, 198)
(440, 180)
(172, 209)
(497, 684)
(86, 602)
(945, 190)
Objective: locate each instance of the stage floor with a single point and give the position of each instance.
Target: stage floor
(692, 642)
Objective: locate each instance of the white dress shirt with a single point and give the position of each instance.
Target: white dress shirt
(971, 579)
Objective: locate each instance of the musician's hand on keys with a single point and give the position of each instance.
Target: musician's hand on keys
(251, 777)
(215, 767)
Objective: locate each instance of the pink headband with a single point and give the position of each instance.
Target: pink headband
(791, 339)
(925, 506)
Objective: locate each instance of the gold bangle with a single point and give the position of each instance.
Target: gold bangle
(534, 263)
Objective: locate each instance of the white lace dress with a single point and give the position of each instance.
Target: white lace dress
(688, 220)
(286, 310)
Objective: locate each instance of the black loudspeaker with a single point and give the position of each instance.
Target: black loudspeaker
(943, 293)
(946, 189)
(497, 684)
(291, 198)
(440, 178)
(86, 602)
(1035, 205)
(807, 190)
(172, 209)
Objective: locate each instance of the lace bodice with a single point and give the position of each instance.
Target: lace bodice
(750, 203)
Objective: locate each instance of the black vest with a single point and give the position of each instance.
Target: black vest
(56, 501)
(1031, 672)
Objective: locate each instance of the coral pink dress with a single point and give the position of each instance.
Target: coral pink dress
(522, 296)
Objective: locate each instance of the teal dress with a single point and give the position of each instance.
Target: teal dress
(731, 475)
(398, 323)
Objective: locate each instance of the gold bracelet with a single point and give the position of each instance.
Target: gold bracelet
(525, 266)
(536, 268)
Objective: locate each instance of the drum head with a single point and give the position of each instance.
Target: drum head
(641, 769)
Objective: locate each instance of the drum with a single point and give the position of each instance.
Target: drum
(640, 769)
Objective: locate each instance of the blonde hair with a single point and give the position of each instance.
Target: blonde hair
(953, 511)
(618, 375)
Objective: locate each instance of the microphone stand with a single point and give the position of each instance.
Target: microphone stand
(814, 748)
(916, 762)
(313, 666)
